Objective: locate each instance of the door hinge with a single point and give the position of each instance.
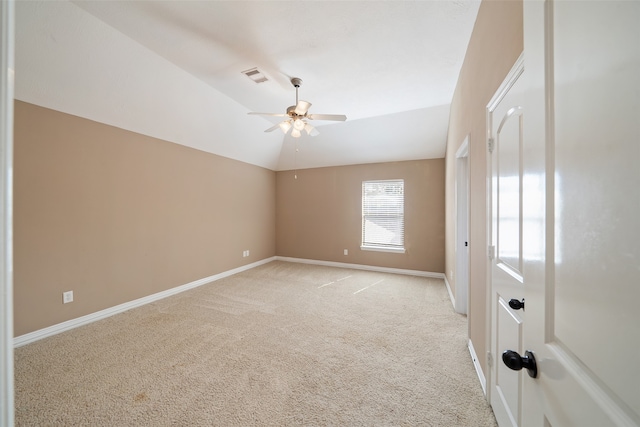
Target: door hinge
(489, 359)
(491, 252)
(491, 143)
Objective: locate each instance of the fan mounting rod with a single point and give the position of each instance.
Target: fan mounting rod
(296, 82)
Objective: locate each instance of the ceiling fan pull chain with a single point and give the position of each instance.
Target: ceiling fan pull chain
(295, 159)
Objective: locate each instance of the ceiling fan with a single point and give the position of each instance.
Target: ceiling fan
(297, 116)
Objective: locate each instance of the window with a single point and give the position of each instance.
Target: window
(383, 215)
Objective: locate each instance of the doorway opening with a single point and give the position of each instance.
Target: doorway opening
(462, 227)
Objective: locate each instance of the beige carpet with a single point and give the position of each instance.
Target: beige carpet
(281, 344)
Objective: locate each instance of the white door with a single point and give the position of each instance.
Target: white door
(582, 182)
(504, 123)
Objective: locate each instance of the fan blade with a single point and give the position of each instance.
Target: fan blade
(271, 129)
(270, 114)
(284, 126)
(302, 107)
(335, 117)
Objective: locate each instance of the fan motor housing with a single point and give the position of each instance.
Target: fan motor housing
(291, 113)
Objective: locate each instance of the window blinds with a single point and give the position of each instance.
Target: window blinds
(383, 214)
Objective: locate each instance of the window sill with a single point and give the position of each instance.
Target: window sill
(383, 249)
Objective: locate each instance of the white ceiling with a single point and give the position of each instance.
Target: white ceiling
(172, 70)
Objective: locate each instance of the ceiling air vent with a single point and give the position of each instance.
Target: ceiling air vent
(255, 75)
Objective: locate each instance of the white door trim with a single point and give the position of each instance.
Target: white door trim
(505, 86)
(462, 228)
(6, 212)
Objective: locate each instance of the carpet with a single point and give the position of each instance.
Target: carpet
(282, 344)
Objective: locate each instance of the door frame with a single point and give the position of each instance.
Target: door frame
(462, 228)
(501, 92)
(7, 22)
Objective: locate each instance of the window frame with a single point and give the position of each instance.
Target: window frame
(381, 247)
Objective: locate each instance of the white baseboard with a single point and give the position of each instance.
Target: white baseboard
(453, 299)
(476, 364)
(363, 267)
(103, 314)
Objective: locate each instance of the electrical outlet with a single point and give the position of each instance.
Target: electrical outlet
(67, 297)
(247, 252)
(346, 251)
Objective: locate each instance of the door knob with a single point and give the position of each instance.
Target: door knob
(516, 362)
(516, 305)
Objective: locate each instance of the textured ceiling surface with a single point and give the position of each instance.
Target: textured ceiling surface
(172, 69)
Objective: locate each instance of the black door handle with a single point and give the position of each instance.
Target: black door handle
(516, 362)
(516, 305)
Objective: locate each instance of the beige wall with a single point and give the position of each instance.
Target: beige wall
(318, 215)
(496, 43)
(114, 216)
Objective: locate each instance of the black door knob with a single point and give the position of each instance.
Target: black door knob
(516, 305)
(516, 362)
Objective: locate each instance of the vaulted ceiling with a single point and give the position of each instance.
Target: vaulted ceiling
(173, 70)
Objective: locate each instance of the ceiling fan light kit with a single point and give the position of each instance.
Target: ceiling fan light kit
(285, 126)
(297, 116)
(298, 124)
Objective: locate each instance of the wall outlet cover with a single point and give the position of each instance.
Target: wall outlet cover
(67, 297)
